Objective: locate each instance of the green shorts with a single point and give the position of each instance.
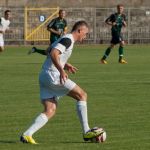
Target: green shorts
(116, 39)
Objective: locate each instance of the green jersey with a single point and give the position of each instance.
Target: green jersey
(57, 24)
(118, 18)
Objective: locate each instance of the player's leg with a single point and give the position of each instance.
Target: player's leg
(81, 97)
(121, 50)
(49, 102)
(49, 111)
(108, 50)
(37, 50)
(1, 44)
(78, 94)
(106, 54)
(1, 49)
(41, 51)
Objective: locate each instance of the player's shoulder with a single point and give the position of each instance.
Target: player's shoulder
(115, 14)
(68, 36)
(2, 18)
(67, 40)
(112, 16)
(123, 15)
(4, 21)
(57, 19)
(54, 19)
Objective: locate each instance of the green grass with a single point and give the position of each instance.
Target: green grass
(118, 100)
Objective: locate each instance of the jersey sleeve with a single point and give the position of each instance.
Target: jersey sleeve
(111, 18)
(63, 44)
(50, 25)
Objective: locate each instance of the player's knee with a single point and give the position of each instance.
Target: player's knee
(83, 96)
(50, 108)
(1, 49)
(78, 94)
(111, 46)
(122, 44)
(50, 111)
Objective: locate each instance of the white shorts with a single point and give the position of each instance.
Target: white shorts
(50, 86)
(1, 42)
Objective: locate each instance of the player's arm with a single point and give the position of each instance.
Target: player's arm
(65, 28)
(54, 31)
(51, 28)
(110, 20)
(70, 68)
(55, 56)
(124, 21)
(110, 23)
(60, 48)
(1, 31)
(8, 29)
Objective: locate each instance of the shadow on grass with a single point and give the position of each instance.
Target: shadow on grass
(35, 63)
(73, 142)
(8, 141)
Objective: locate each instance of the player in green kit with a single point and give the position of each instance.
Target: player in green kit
(117, 21)
(57, 28)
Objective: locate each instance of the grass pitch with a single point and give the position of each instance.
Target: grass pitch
(118, 100)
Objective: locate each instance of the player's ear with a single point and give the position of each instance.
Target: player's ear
(78, 30)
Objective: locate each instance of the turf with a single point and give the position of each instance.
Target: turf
(118, 100)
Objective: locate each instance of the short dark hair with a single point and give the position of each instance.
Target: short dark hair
(61, 10)
(120, 5)
(78, 24)
(6, 11)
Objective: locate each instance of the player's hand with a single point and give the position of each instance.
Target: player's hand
(1, 31)
(124, 23)
(61, 33)
(114, 24)
(70, 68)
(64, 33)
(63, 77)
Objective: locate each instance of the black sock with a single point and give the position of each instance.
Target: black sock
(40, 51)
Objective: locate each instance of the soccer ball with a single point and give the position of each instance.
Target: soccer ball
(100, 138)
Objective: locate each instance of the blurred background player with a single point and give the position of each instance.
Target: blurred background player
(117, 21)
(54, 83)
(4, 25)
(57, 28)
